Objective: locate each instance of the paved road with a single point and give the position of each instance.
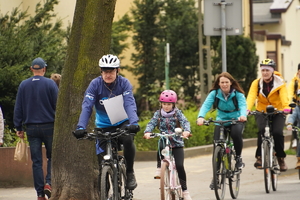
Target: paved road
(199, 174)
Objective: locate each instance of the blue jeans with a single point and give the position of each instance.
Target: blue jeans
(38, 134)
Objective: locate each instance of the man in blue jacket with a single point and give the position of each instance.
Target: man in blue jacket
(104, 87)
(35, 109)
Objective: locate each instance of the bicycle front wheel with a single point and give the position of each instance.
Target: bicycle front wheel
(107, 183)
(267, 169)
(274, 173)
(234, 179)
(165, 187)
(219, 173)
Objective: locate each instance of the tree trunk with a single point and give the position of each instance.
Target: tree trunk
(74, 162)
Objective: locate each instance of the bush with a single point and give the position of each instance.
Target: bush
(202, 135)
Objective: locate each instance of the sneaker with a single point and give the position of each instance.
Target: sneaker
(239, 163)
(41, 198)
(211, 185)
(131, 182)
(257, 164)
(157, 173)
(186, 195)
(47, 190)
(294, 144)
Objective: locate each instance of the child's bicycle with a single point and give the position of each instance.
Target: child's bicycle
(170, 188)
(223, 162)
(112, 178)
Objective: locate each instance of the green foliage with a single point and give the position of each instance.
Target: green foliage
(202, 135)
(10, 138)
(241, 59)
(22, 39)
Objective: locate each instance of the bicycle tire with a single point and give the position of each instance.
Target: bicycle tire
(299, 173)
(107, 186)
(124, 192)
(219, 173)
(266, 167)
(234, 179)
(274, 173)
(165, 188)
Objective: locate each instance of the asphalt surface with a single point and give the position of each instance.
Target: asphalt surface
(198, 169)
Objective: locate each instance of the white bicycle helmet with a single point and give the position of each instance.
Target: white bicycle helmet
(109, 61)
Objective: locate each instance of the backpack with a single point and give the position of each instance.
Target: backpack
(235, 102)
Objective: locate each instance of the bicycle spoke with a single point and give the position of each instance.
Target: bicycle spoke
(219, 173)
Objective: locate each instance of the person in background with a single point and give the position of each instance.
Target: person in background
(110, 84)
(1, 127)
(270, 89)
(167, 118)
(56, 78)
(35, 109)
(231, 104)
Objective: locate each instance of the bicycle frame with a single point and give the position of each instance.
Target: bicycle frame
(112, 167)
(172, 187)
(223, 167)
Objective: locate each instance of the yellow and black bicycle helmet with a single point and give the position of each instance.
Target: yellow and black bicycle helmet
(268, 62)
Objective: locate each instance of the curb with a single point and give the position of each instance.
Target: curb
(200, 150)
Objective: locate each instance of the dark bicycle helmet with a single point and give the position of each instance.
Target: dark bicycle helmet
(268, 62)
(109, 61)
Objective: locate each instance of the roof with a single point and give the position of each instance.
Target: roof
(267, 13)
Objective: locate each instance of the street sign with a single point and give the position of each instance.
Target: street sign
(213, 17)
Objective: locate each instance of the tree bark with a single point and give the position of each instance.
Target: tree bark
(74, 162)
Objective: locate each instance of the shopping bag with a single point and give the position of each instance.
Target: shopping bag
(21, 152)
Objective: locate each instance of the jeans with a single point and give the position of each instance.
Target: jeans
(38, 134)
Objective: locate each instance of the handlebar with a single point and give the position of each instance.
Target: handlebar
(221, 122)
(101, 134)
(266, 113)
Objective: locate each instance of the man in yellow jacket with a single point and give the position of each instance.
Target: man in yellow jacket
(270, 89)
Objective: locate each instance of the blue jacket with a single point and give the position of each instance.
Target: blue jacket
(97, 91)
(225, 105)
(295, 117)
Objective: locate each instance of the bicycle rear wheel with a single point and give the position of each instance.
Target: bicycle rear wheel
(219, 173)
(107, 184)
(124, 192)
(274, 173)
(234, 179)
(267, 169)
(165, 188)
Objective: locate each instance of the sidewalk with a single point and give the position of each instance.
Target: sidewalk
(28, 193)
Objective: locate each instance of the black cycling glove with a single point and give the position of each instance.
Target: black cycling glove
(80, 133)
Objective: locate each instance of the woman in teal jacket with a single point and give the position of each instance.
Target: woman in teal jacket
(229, 100)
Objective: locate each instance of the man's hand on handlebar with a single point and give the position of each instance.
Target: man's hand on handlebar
(80, 133)
(133, 128)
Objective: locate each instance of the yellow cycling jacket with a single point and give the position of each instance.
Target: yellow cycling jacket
(292, 94)
(277, 96)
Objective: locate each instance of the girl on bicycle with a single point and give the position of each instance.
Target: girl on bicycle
(228, 98)
(167, 119)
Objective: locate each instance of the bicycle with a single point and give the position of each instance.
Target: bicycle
(170, 188)
(112, 177)
(295, 130)
(223, 162)
(269, 159)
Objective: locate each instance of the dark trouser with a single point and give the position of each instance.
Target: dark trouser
(128, 145)
(178, 154)
(278, 123)
(38, 134)
(236, 132)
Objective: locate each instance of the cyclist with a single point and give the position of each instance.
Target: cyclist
(228, 98)
(270, 89)
(104, 87)
(167, 119)
(294, 96)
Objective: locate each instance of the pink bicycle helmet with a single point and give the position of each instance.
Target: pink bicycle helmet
(168, 96)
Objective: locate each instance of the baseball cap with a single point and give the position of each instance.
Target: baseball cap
(38, 61)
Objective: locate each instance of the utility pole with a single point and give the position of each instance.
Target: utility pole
(167, 62)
